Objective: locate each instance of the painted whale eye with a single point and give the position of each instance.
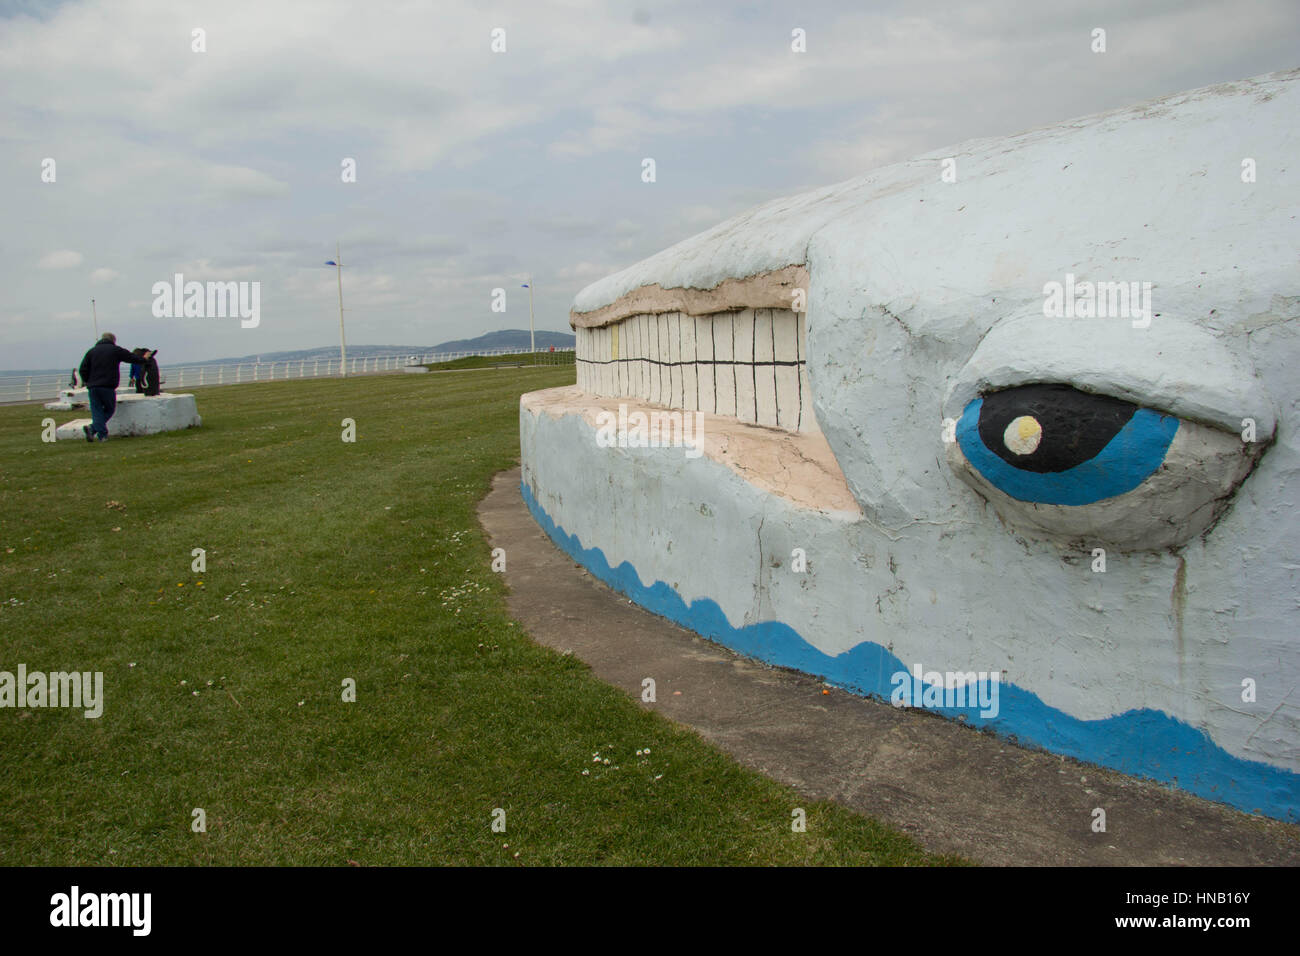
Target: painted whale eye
(1053, 444)
(1111, 443)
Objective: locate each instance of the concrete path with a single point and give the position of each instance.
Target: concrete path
(954, 789)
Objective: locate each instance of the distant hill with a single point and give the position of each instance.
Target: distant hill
(507, 339)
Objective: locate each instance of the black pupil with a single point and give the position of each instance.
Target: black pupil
(1076, 425)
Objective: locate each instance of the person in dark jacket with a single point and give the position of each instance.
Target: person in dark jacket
(148, 377)
(99, 372)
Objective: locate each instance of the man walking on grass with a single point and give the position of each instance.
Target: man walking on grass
(99, 373)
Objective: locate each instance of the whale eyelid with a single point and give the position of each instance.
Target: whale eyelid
(1172, 367)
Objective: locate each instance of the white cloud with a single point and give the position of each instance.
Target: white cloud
(62, 259)
(104, 274)
(241, 182)
(700, 214)
(205, 270)
(586, 271)
(618, 128)
(568, 225)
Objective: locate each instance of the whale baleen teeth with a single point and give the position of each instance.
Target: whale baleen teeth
(749, 364)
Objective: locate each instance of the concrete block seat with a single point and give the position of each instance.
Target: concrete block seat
(141, 415)
(70, 398)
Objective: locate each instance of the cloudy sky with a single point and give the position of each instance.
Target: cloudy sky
(475, 168)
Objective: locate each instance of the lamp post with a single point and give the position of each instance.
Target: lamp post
(337, 262)
(532, 338)
(94, 315)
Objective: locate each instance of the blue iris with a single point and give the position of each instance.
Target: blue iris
(1128, 459)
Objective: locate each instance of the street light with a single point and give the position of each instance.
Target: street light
(532, 340)
(337, 262)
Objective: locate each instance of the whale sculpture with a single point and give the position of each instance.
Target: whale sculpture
(1008, 431)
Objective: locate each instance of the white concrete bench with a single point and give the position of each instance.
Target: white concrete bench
(141, 415)
(70, 398)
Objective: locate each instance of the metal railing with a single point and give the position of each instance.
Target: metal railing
(45, 386)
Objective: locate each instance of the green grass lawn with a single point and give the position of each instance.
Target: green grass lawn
(493, 361)
(325, 561)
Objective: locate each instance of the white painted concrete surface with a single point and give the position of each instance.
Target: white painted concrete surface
(141, 415)
(924, 294)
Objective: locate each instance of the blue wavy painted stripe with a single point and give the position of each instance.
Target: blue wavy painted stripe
(1143, 742)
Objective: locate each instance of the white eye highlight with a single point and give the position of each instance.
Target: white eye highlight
(1023, 435)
